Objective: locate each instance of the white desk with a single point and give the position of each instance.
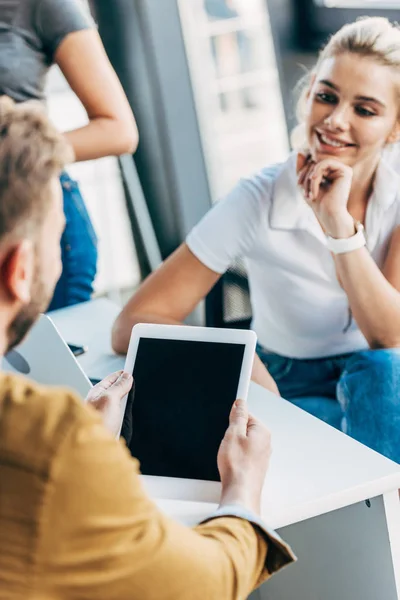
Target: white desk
(316, 489)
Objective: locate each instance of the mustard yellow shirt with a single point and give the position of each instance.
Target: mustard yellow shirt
(75, 522)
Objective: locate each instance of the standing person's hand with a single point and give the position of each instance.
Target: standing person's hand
(243, 459)
(106, 398)
(326, 186)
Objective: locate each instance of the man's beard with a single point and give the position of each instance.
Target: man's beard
(29, 313)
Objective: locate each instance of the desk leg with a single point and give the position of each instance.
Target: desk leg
(348, 554)
(392, 509)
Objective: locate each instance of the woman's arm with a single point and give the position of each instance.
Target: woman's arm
(171, 293)
(373, 295)
(111, 130)
(168, 296)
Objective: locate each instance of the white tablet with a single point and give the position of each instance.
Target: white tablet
(186, 381)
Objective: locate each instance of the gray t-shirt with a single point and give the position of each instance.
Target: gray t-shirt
(30, 33)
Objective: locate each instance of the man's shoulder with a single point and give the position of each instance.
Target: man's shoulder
(34, 422)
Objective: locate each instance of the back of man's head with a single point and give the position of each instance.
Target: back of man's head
(32, 156)
(32, 152)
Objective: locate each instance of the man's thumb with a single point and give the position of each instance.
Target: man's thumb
(123, 384)
(239, 417)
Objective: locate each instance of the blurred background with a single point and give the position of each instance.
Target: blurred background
(212, 85)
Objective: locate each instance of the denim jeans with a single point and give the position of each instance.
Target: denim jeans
(358, 393)
(78, 250)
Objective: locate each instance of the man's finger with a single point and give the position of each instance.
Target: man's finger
(258, 433)
(254, 424)
(103, 386)
(109, 380)
(239, 417)
(123, 383)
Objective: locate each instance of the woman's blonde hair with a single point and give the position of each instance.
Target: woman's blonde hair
(372, 37)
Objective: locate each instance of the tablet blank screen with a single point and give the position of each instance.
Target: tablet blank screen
(184, 391)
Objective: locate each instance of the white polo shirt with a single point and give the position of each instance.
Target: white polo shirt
(299, 308)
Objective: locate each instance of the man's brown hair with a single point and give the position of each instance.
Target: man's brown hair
(32, 152)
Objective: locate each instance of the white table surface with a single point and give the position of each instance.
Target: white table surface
(314, 468)
(89, 324)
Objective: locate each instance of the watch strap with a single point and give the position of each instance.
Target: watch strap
(343, 245)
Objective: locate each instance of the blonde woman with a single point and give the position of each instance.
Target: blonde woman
(320, 234)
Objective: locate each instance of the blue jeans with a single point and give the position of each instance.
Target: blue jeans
(78, 250)
(358, 393)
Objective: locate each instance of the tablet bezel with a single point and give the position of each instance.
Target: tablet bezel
(244, 337)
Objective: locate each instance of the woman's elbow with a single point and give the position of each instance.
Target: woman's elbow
(120, 133)
(127, 137)
(118, 339)
(385, 344)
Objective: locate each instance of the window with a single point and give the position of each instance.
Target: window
(236, 85)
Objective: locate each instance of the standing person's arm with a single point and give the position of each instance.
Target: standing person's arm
(71, 41)
(103, 538)
(111, 130)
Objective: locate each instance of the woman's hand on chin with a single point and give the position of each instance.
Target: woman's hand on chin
(326, 187)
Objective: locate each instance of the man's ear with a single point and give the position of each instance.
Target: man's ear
(17, 271)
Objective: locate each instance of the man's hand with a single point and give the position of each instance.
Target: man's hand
(106, 398)
(261, 376)
(243, 459)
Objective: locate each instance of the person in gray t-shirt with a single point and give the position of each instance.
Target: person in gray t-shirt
(35, 34)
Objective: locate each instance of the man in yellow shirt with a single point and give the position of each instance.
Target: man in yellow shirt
(75, 522)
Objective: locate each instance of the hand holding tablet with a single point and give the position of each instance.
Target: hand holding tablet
(186, 381)
(243, 459)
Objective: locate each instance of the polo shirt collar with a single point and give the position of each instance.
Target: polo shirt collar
(290, 211)
(386, 185)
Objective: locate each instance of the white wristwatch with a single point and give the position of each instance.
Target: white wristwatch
(342, 245)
